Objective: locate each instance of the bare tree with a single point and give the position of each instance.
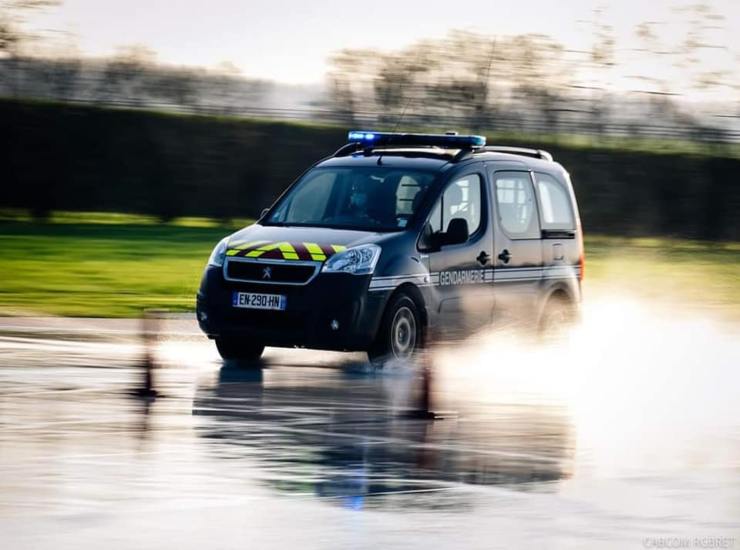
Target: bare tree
(62, 76)
(462, 78)
(122, 75)
(601, 59)
(9, 36)
(397, 81)
(704, 25)
(175, 86)
(350, 77)
(538, 75)
(13, 15)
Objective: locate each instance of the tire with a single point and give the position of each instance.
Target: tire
(558, 316)
(238, 350)
(400, 334)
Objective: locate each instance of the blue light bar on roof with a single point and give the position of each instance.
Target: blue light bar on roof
(409, 140)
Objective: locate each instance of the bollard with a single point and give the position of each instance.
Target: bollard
(423, 410)
(149, 331)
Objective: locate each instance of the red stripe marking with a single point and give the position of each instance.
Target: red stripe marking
(302, 251)
(273, 255)
(328, 250)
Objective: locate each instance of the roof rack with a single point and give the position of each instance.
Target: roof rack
(523, 151)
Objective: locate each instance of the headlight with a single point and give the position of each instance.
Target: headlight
(359, 260)
(219, 253)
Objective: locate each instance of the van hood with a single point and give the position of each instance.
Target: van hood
(296, 243)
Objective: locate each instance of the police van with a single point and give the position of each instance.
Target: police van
(397, 238)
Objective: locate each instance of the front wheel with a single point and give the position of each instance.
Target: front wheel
(400, 332)
(239, 350)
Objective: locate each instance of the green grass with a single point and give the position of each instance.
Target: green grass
(680, 272)
(111, 269)
(116, 265)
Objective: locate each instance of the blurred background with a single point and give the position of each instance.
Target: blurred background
(142, 131)
(135, 135)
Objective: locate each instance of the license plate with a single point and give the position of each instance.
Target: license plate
(254, 300)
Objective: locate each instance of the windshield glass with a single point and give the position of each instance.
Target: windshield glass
(369, 198)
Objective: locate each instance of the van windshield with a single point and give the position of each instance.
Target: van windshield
(363, 198)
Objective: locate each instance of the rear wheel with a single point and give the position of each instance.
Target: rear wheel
(235, 349)
(558, 316)
(400, 332)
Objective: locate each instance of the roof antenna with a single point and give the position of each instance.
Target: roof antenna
(403, 112)
(488, 73)
(405, 106)
(398, 122)
(408, 100)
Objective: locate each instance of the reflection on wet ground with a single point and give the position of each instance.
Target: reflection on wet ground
(626, 432)
(358, 445)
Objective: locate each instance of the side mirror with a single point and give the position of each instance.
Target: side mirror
(457, 232)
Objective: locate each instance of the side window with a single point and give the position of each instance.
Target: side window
(555, 207)
(461, 199)
(515, 204)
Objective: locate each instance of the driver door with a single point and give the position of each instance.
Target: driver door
(461, 273)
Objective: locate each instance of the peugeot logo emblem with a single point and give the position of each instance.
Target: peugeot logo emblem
(267, 273)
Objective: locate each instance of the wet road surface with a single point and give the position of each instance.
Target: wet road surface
(625, 434)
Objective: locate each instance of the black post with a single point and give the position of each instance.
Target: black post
(423, 410)
(149, 331)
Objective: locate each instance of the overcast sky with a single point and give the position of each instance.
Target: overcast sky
(290, 40)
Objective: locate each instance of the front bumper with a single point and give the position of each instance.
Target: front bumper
(306, 322)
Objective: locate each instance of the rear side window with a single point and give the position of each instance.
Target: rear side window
(555, 208)
(515, 204)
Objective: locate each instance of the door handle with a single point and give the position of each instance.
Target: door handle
(505, 256)
(483, 258)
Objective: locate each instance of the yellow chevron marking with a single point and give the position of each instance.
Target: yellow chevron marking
(238, 248)
(286, 249)
(257, 252)
(315, 250)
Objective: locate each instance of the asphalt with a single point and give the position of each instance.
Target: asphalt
(625, 434)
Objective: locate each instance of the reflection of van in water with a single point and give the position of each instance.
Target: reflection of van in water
(393, 235)
(331, 435)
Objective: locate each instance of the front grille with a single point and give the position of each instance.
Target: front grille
(255, 272)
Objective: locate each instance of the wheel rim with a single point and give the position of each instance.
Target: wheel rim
(403, 333)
